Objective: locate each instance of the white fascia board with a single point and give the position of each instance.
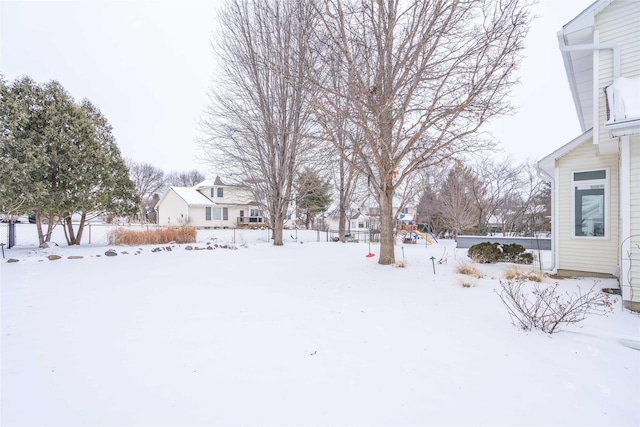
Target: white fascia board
(548, 163)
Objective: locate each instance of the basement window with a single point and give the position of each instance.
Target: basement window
(590, 201)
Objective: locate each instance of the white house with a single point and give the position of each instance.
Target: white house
(209, 204)
(596, 177)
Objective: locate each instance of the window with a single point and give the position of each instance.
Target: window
(207, 214)
(212, 193)
(225, 214)
(590, 203)
(255, 212)
(217, 214)
(220, 192)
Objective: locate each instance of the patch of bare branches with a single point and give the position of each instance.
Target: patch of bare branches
(546, 309)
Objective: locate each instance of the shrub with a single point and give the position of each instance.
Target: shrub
(487, 252)
(468, 269)
(546, 309)
(153, 236)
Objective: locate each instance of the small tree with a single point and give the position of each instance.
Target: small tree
(312, 195)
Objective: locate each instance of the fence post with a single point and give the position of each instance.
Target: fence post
(12, 234)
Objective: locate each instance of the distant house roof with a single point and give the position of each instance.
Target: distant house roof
(207, 183)
(192, 196)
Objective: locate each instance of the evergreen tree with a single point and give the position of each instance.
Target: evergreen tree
(312, 195)
(60, 158)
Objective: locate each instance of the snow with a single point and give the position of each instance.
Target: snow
(311, 333)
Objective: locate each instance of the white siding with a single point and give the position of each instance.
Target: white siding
(634, 275)
(588, 255)
(171, 208)
(618, 23)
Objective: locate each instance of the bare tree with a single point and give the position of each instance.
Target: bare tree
(455, 204)
(258, 121)
(148, 180)
(184, 179)
(498, 183)
(420, 79)
(518, 210)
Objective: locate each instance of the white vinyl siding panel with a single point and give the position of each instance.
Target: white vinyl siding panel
(170, 209)
(635, 217)
(617, 23)
(596, 255)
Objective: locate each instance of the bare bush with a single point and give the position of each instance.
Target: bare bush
(546, 309)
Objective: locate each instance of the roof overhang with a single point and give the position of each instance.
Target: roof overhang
(575, 40)
(548, 164)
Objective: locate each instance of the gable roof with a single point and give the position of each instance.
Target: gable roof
(192, 196)
(548, 164)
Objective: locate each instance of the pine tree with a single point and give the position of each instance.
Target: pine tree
(60, 158)
(313, 195)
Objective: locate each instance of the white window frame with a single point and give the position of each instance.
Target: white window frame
(607, 215)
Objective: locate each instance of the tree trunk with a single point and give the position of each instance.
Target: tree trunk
(342, 219)
(39, 228)
(278, 227)
(83, 220)
(68, 231)
(45, 237)
(387, 228)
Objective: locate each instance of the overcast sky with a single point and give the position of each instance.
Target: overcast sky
(147, 66)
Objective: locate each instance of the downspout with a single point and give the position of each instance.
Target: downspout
(542, 174)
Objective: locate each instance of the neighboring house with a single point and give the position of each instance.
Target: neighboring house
(596, 177)
(209, 204)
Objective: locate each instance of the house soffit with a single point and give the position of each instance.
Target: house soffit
(579, 63)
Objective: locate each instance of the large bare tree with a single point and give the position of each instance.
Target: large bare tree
(257, 124)
(148, 181)
(185, 178)
(420, 79)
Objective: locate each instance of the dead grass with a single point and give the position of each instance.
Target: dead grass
(468, 282)
(154, 236)
(523, 274)
(469, 269)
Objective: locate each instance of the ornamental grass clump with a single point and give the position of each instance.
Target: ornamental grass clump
(152, 236)
(469, 269)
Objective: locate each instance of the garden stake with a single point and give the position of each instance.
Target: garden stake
(433, 263)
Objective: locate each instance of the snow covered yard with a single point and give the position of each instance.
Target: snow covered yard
(305, 334)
